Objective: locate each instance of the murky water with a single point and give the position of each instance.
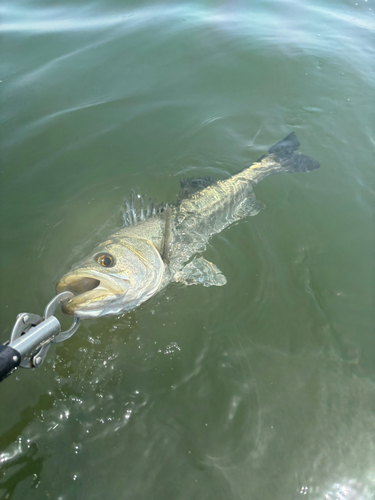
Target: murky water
(262, 389)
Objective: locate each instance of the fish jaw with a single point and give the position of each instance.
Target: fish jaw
(95, 294)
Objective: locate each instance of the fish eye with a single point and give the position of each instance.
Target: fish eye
(105, 260)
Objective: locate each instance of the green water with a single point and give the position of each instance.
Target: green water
(262, 389)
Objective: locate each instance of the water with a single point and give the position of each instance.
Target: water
(261, 389)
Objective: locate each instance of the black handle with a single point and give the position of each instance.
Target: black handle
(9, 360)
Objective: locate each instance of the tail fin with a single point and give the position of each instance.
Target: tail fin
(283, 153)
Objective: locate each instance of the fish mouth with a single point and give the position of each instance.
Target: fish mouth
(91, 293)
(78, 285)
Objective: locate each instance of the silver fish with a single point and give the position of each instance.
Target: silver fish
(159, 244)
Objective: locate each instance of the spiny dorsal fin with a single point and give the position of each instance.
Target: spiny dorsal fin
(132, 214)
(167, 241)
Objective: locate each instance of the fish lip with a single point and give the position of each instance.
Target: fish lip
(72, 281)
(70, 309)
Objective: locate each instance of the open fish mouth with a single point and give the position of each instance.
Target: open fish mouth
(78, 285)
(92, 293)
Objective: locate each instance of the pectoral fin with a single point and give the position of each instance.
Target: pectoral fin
(201, 272)
(250, 206)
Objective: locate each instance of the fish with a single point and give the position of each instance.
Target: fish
(161, 244)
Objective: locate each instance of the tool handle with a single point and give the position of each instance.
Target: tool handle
(9, 360)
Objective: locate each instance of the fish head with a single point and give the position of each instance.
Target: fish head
(118, 275)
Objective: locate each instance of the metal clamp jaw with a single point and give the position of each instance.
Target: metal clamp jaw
(32, 335)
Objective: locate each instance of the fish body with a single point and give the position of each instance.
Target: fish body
(159, 245)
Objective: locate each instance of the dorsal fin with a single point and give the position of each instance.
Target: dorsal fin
(192, 185)
(167, 240)
(132, 214)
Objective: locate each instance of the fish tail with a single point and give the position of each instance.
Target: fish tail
(284, 153)
(282, 157)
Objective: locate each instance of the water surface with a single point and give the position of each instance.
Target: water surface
(262, 389)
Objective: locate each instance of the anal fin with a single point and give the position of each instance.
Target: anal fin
(201, 272)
